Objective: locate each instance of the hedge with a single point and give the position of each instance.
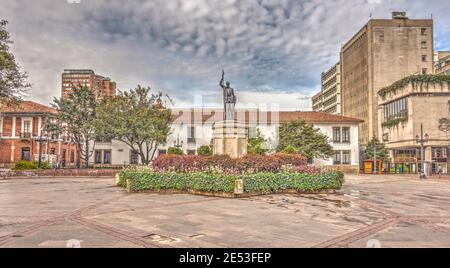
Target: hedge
(208, 182)
(247, 164)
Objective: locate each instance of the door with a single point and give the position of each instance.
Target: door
(63, 158)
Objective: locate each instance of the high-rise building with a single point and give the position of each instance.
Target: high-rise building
(328, 100)
(442, 62)
(100, 86)
(382, 52)
(317, 103)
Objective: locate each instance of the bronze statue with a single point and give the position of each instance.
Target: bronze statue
(229, 98)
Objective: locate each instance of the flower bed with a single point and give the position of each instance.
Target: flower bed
(246, 164)
(261, 183)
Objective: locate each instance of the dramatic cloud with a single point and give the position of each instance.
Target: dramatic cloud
(272, 50)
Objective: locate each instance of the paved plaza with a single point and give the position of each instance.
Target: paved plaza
(386, 211)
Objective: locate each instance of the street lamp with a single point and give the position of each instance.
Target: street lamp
(177, 143)
(422, 139)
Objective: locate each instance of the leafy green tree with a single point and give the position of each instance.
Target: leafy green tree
(256, 144)
(136, 118)
(204, 150)
(12, 80)
(305, 139)
(381, 151)
(75, 118)
(174, 151)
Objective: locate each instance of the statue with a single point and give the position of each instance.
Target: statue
(229, 98)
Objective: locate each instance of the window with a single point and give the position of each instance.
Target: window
(396, 109)
(337, 158)
(424, 58)
(191, 134)
(52, 151)
(134, 158)
(423, 31)
(162, 152)
(191, 152)
(336, 134)
(424, 70)
(107, 157)
(72, 156)
(98, 156)
(252, 132)
(346, 157)
(424, 44)
(27, 126)
(346, 134)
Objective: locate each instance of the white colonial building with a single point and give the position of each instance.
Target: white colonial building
(192, 128)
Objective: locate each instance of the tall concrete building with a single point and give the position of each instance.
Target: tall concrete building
(328, 100)
(442, 62)
(382, 52)
(317, 104)
(100, 86)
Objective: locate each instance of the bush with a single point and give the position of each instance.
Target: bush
(174, 151)
(44, 165)
(224, 164)
(24, 165)
(204, 150)
(253, 183)
(290, 150)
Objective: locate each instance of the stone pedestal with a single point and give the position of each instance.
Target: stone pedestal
(230, 138)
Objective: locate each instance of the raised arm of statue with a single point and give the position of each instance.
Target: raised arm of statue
(223, 79)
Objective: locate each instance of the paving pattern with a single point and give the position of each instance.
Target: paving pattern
(386, 211)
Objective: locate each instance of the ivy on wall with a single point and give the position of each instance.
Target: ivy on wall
(394, 122)
(415, 80)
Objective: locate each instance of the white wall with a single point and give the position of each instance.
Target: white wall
(121, 152)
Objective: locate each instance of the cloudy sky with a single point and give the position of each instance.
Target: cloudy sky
(273, 51)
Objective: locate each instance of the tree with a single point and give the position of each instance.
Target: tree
(256, 144)
(204, 150)
(12, 80)
(174, 151)
(136, 118)
(376, 146)
(75, 118)
(306, 140)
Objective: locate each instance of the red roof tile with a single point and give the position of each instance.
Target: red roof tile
(257, 117)
(26, 107)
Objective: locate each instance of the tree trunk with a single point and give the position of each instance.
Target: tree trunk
(86, 153)
(78, 156)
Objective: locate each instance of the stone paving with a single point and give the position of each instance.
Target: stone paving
(386, 211)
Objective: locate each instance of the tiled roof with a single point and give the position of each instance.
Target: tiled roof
(191, 116)
(26, 107)
(317, 117)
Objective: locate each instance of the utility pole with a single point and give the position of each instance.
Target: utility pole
(422, 139)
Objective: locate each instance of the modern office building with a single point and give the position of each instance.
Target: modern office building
(100, 86)
(382, 52)
(328, 100)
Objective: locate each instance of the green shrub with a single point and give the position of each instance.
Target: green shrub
(174, 151)
(208, 182)
(24, 165)
(204, 150)
(44, 165)
(290, 150)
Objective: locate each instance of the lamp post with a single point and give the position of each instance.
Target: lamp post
(177, 143)
(421, 140)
